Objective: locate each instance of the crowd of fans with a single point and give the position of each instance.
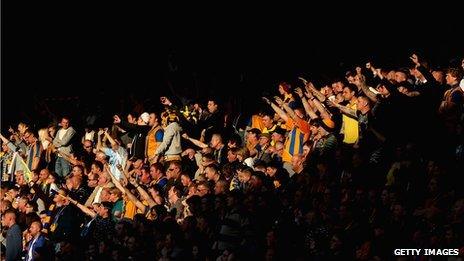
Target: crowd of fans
(355, 168)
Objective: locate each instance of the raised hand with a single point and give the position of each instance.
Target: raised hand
(266, 100)
(165, 101)
(299, 92)
(279, 100)
(415, 59)
(116, 119)
(305, 82)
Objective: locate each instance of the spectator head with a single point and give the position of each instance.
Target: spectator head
(43, 134)
(221, 187)
(297, 162)
(103, 178)
(174, 170)
(278, 134)
(35, 228)
(29, 136)
(115, 195)
(22, 127)
(216, 141)
(132, 117)
(153, 120)
(156, 171)
(105, 209)
(105, 195)
(175, 193)
(43, 175)
(88, 146)
(92, 180)
(307, 147)
(244, 174)
(232, 154)
(401, 76)
(363, 104)
(145, 177)
(212, 105)
(268, 120)
(51, 130)
(64, 123)
(284, 88)
(96, 167)
(9, 218)
(253, 135)
(77, 170)
(338, 85)
(143, 119)
(60, 198)
(234, 141)
(242, 154)
(212, 173)
(203, 189)
(439, 76)
(185, 179)
(257, 180)
(264, 139)
(101, 157)
(349, 92)
(453, 76)
(5, 205)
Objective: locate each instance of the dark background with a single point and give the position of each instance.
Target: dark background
(76, 57)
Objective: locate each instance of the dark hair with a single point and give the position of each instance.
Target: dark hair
(98, 164)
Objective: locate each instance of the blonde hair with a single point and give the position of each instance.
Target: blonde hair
(43, 134)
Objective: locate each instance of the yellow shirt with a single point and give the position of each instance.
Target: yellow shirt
(350, 128)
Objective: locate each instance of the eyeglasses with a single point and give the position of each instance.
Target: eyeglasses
(170, 169)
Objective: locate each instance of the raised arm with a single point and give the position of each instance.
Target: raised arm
(277, 109)
(344, 109)
(83, 208)
(195, 141)
(325, 114)
(305, 102)
(310, 88)
(360, 82)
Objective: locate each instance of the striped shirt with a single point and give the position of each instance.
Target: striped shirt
(296, 137)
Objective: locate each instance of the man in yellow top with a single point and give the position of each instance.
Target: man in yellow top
(154, 137)
(350, 125)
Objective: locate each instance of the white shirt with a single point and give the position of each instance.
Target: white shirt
(29, 252)
(62, 132)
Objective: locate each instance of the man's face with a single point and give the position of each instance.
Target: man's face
(88, 146)
(267, 121)
(92, 181)
(6, 220)
(400, 77)
(34, 229)
(212, 106)
(231, 157)
(145, 178)
(28, 138)
(172, 171)
(152, 120)
(76, 171)
(102, 179)
(64, 123)
(184, 180)
(210, 173)
(154, 172)
(263, 140)
(215, 141)
(450, 79)
(271, 171)
(347, 94)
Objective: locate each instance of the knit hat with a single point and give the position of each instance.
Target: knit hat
(145, 117)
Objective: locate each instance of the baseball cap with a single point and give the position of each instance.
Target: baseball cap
(145, 117)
